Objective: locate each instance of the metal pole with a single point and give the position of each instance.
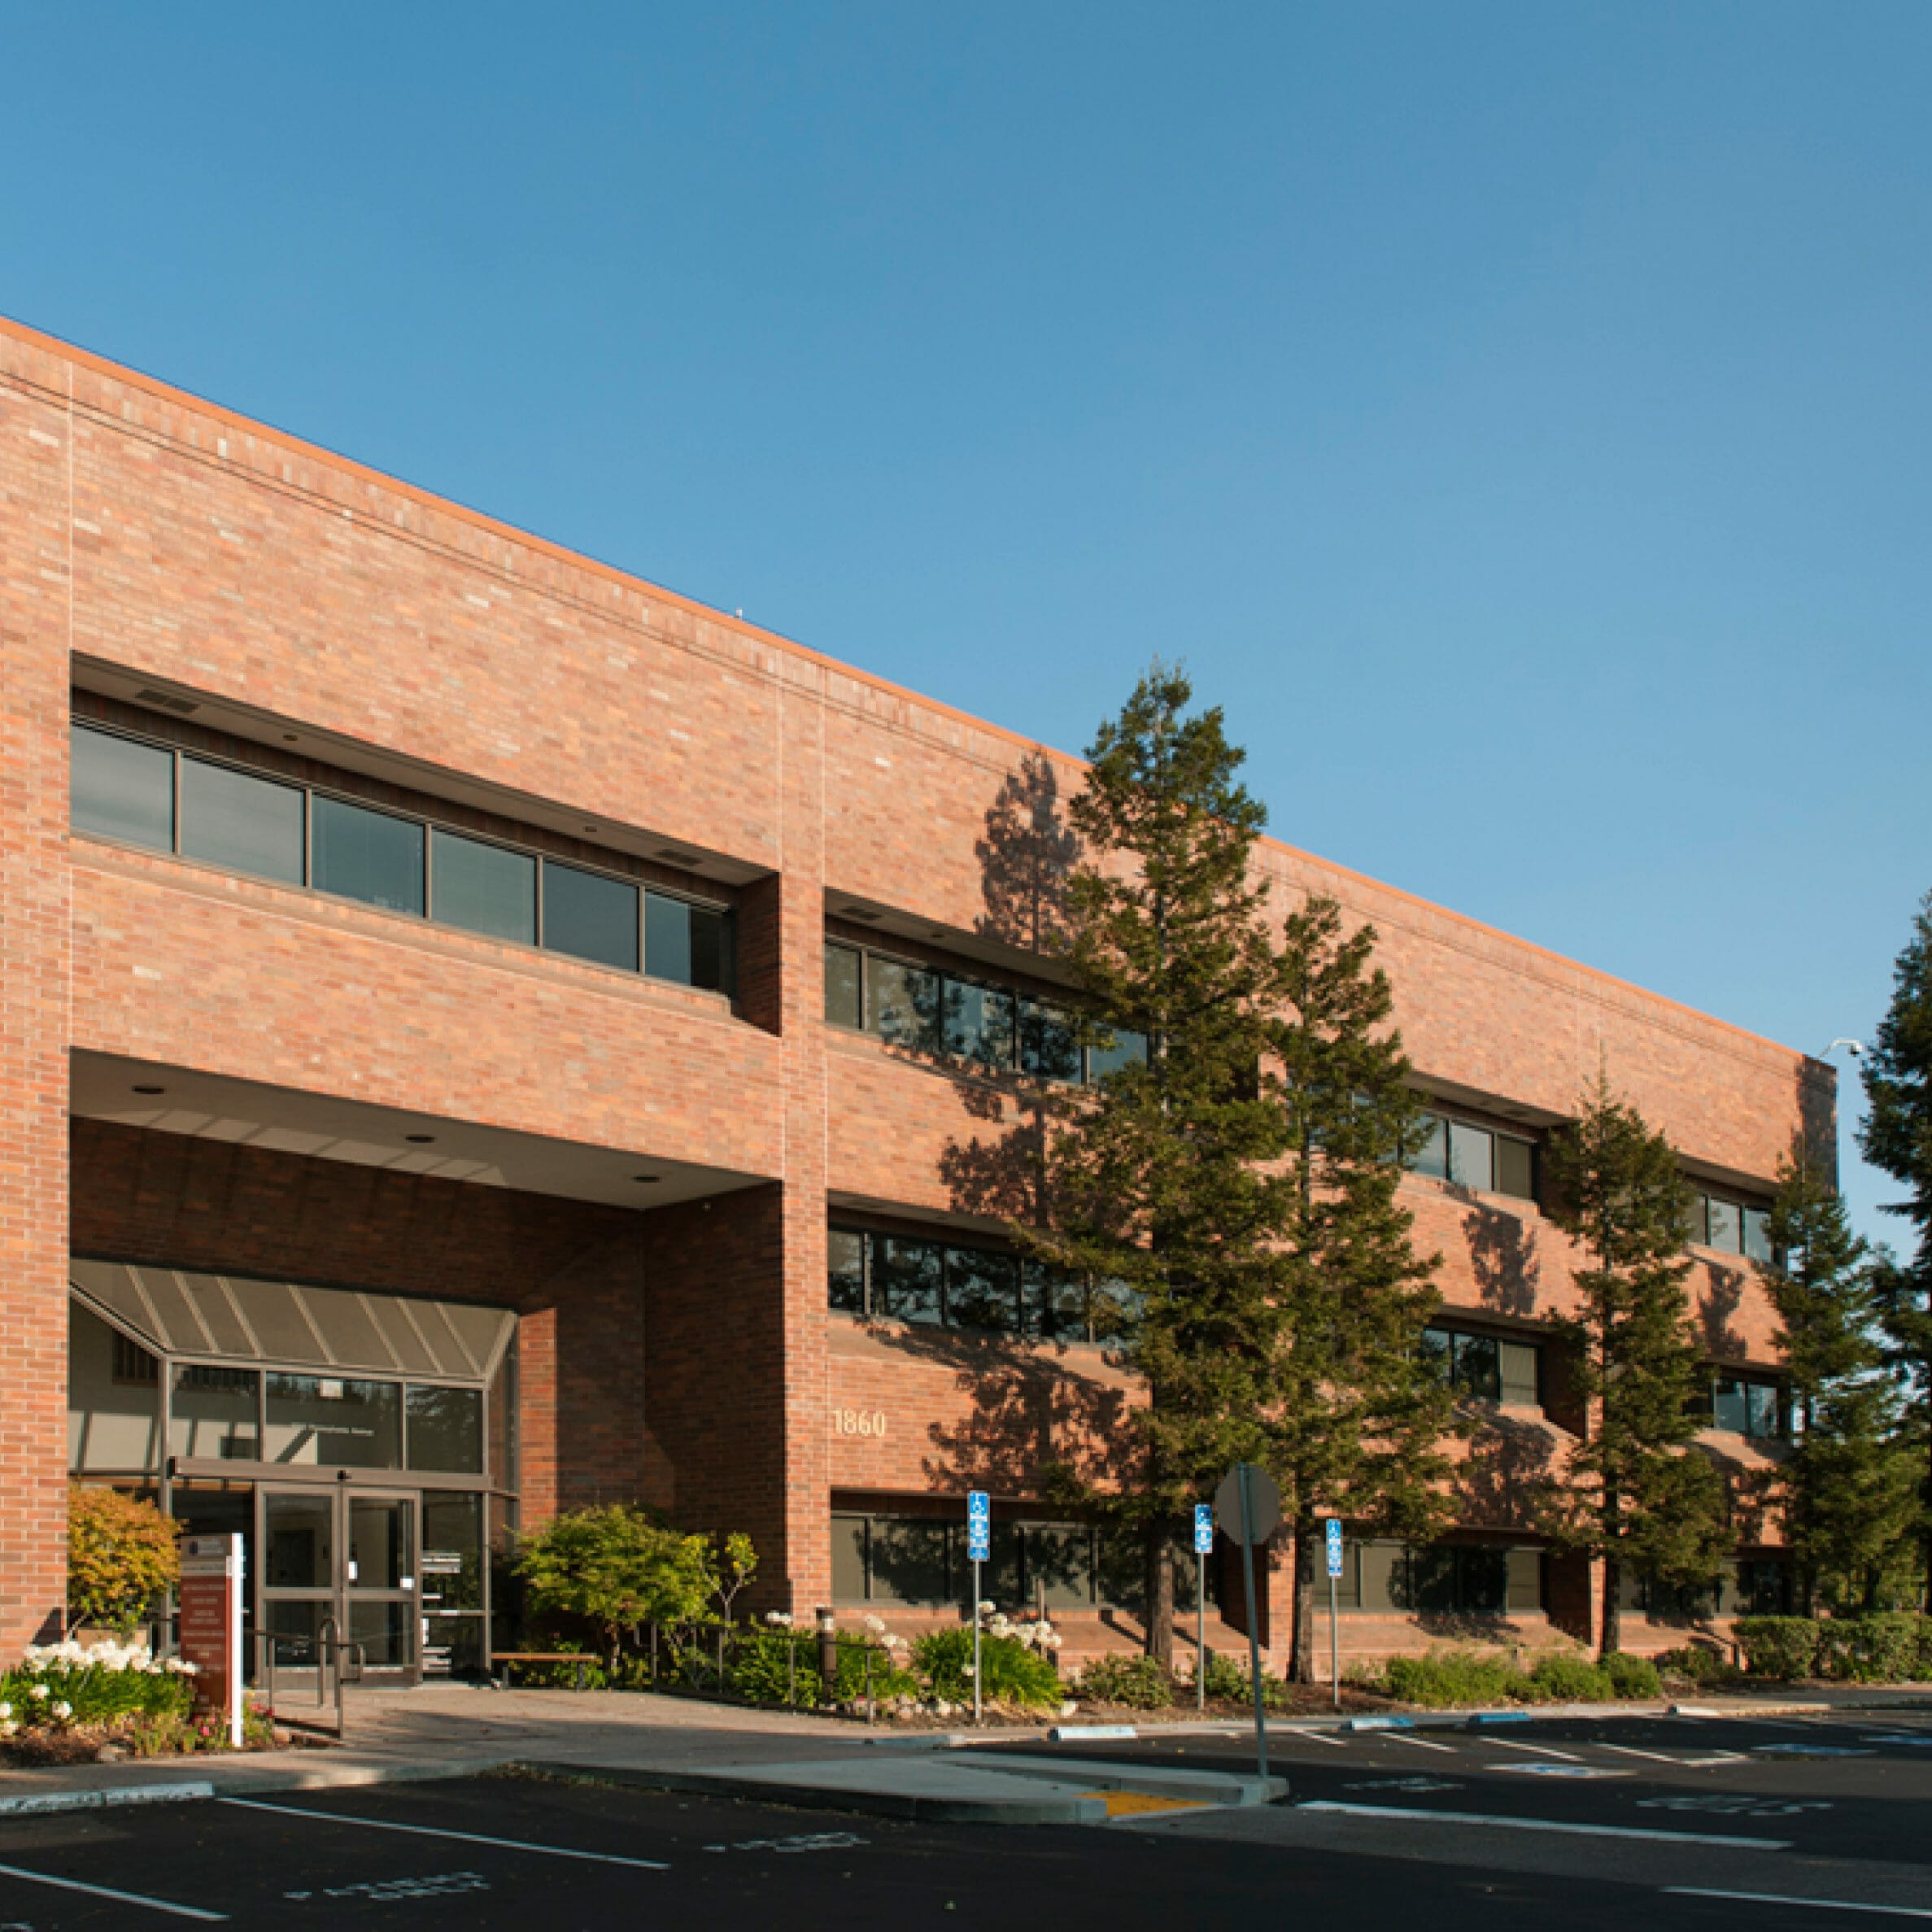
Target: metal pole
(1334, 1645)
(1200, 1631)
(1260, 1728)
(978, 1703)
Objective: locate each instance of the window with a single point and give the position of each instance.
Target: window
(233, 818)
(331, 1421)
(903, 1004)
(686, 943)
(126, 788)
(981, 1025)
(1441, 1579)
(1729, 1226)
(1748, 1405)
(959, 1286)
(371, 856)
(1125, 1049)
(844, 986)
(123, 789)
(590, 916)
(1483, 1367)
(445, 1429)
(484, 888)
(215, 1414)
(1477, 1158)
(1049, 1042)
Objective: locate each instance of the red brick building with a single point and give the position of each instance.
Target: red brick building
(461, 1056)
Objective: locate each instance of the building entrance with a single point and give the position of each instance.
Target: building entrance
(340, 1565)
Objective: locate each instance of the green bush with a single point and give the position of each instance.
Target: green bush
(774, 1667)
(618, 1568)
(121, 1554)
(1562, 1679)
(1138, 1683)
(1778, 1646)
(1009, 1673)
(1870, 1650)
(1443, 1679)
(1697, 1664)
(72, 1683)
(1631, 1677)
(1226, 1681)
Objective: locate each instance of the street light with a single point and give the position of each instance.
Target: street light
(1853, 1049)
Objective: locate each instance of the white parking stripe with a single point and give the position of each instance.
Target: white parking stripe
(107, 1891)
(1506, 1824)
(1903, 1912)
(433, 1831)
(1665, 1757)
(1403, 1737)
(1542, 1750)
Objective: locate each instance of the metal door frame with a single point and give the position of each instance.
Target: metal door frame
(336, 1598)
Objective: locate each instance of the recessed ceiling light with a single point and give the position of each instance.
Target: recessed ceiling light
(650, 1180)
(289, 738)
(590, 828)
(151, 1089)
(420, 1139)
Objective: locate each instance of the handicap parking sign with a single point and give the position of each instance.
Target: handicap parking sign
(978, 1525)
(1204, 1529)
(1334, 1545)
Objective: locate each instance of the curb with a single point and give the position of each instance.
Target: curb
(98, 1797)
(810, 1797)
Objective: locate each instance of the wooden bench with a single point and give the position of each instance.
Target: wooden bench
(500, 1660)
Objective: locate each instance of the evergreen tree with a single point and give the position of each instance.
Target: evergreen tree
(1897, 1138)
(1635, 1494)
(1161, 1181)
(1361, 1412)
(1848, 1483)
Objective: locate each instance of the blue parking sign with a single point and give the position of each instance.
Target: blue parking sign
(1204, 1529)
(1334, 1545)
(979, 1526)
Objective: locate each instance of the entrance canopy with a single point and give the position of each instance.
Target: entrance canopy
(236, 1319)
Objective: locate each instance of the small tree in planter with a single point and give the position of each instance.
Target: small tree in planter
(122, 1553)
(617, 1567)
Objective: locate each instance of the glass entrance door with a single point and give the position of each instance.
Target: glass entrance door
(346, 1556)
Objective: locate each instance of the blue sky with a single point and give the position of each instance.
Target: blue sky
(1518, 414)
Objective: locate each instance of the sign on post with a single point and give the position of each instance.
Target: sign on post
(1334, 1545)
(978, 1548)
(1204, 1529)
(1248, 1506)
(210, 1596)
(1204, 1547)
(1333, 1535)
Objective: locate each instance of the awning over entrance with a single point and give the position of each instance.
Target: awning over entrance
(235, 1318)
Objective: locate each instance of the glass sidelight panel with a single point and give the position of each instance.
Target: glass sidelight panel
(384, 1627)
(330, 1421)
(299, 1531)
(381, 1544)
(295, 1623)
(446, 1429)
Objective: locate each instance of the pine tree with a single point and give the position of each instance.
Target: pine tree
(1636, 1494)
(1847, 1483)
(1361, 1413)
(1162, 1179)
(1897, 1139)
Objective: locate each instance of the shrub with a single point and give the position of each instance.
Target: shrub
(775, 1666)
(73, 1683)
(1009, 1672)
(616, 1566)
(1446, 1678)
(1561, 1678)
(1870, 1649)
(1226, 1681)
(1778, 1646)
(1138, 1683)
(1698, 1665)
(122, 1552)
(1631, 1677)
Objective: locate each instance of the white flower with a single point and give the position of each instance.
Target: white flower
(1053, 1640)
(1067, 1710)
(777, 1619)
(874, 1623)
(41, 1691)
(63, 1710)
(5, 1712)
(987, 1609)
(969, 1671)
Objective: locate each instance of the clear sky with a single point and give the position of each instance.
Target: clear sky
(1519, 415)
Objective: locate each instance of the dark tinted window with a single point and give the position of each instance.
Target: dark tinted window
(590, 916)
(1757, 1233)
(1514, 1168)
(982, 1289)
(981, 1024)
(1049, 1046)
(1726, 1226)
(843, 988)
(122, 790)
(368, 855)
(484, 888)
(904, 1000)
(446, 1429)
(909, 1561)
(685, 943)
(1472, 1157)
(1432, 1157)
(845, 1258)
(908, 1278)
(1127, 1049)
(234, 819)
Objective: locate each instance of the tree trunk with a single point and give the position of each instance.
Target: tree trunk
(1301, 1650)
(1612, 1635)
(1160, 1596)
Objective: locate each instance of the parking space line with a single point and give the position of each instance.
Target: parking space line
(1542, 1750)
(435, 1831)
(1699, 1891)
(1418, 1817)
(1421, 1743)
(1665, 1757)
(107, 1891)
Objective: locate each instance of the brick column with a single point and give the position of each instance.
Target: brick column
(35, 594)
(801, 949)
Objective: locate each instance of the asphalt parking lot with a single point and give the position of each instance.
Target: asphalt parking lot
(1684, 1824)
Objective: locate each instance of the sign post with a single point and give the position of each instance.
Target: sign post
(1334, 1541)
(1204, 1543)
(978, 1548)
(1248, 1500)
(210, 1596)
